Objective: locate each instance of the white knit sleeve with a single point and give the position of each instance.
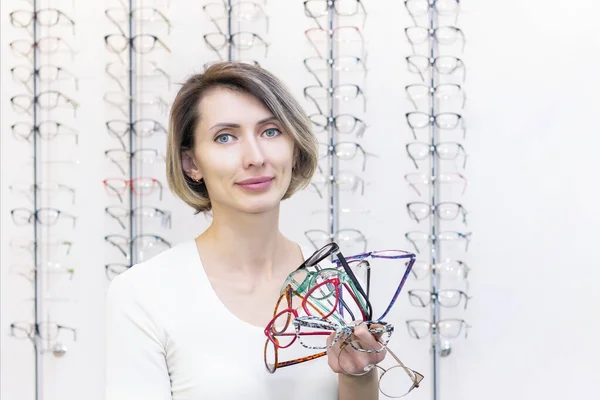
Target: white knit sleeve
(136, 367)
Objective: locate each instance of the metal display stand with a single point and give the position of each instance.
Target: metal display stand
(132, 136)
(439, 347)
(434, 221)
(225, 18)
(38, 295)
(229, 31)
(331, 134)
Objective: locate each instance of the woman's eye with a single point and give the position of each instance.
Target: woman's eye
(224, 138)
(272, 132)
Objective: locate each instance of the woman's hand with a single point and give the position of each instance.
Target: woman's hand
(352, 361)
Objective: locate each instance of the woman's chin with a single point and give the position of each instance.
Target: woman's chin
(259, 204)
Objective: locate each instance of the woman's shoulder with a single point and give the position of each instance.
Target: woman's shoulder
(159, 271)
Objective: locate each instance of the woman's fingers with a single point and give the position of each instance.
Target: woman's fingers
(343, 356)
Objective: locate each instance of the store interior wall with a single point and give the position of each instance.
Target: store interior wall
(532, 86)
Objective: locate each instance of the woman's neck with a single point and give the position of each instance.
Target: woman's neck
(247, 244)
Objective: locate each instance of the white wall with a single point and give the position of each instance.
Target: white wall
(532, 86)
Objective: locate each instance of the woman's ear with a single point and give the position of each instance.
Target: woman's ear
(295, 158)
(189, 166)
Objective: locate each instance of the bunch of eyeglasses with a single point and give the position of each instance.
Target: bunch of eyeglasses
(137, 42)
(319, 307)
(437, 125)
(247, 42)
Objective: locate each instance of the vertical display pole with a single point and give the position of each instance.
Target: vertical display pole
(38, 295)
(132, 137)
(435, 222)
(333, 167)
(229, 32)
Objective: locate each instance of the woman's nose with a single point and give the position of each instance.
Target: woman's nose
(253, 153)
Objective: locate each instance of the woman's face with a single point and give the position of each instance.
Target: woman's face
(241, 152)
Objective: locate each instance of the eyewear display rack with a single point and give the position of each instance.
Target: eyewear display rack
(134, 74)
(332, 160)
(37, 281)
(132, 137)
(433, 37)
(229, 30)
(227, 17)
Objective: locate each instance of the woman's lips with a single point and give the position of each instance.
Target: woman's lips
(256, 186)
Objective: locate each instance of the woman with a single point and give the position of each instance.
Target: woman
(188, 324)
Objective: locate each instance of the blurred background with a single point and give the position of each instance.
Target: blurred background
(496, 101)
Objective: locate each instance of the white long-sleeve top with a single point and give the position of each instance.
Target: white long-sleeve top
(169, 337)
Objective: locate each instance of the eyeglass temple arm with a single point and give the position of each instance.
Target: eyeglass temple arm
(312, 73)
(409, 153)
(160, 188)
(117, 246)
(115, 217)
(349, 272)
(69, 329)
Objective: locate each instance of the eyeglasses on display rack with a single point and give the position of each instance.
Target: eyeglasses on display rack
(43, 216)
(444, 94)
(45, 45)
(145, 69)
(343, 123)
(345, 151)
(316, 9)
(447, 211)
(46, 17)
(46, 330)
(443, 65)
(143, 128)
(425, 238)
(27, 189)
(141, 43)
(446, 269)
(344, 93)
(217, 41)
(47, 100)
(347, 65)
(29, 271)
(47, 130)
(345, 181)
(239, 11)
(142, 186)
(122, 100)
(147, 156)
(144, 15)
(120, 214)
(446, 298)
(46, 74)
(142, 242)
(30, 246)
(446, 120)
(345, 238)
(448, 151)
(444, 8)
(415, 179)
(447, 328)
(349, 38)
(114, 269)
(443, 35)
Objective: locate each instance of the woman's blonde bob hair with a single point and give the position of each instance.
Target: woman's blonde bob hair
(185, 115)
